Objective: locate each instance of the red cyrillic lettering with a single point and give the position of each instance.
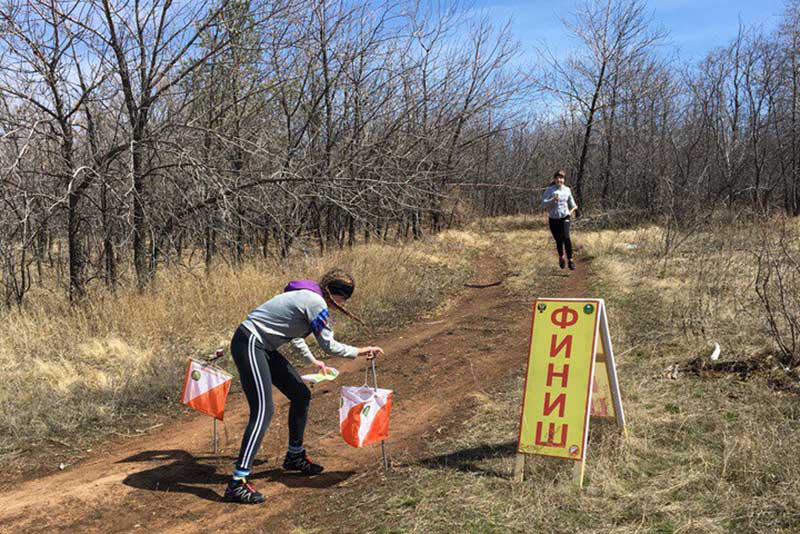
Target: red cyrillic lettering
(599, 407)
(554, 350)
(560, 401)
(550, 434)
(551, 374)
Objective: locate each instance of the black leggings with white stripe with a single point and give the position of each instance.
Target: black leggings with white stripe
(259, 370)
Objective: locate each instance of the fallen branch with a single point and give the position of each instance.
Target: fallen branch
(142, 431)
(482, 286)
(13, 454)
(701, 365)
(62, 443)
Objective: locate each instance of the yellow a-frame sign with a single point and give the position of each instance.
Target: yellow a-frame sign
(562, 385)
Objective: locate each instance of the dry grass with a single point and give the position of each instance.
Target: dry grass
(81, 373)
(703, 454)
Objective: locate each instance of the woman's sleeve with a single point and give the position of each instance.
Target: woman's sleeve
(571, 201)
(546, 202)
(320, 327)
(300, 346)
(333, 347)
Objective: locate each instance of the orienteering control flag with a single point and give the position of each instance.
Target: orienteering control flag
(205, 388)
(364, 414)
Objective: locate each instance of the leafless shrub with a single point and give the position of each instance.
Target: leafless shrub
(778, 287)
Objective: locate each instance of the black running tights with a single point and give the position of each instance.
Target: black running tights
(259, 370)
(560, 230)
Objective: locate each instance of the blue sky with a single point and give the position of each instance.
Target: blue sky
(694, 26)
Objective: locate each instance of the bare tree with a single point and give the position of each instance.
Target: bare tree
(154, 45)
(43, 72)
(616, 37)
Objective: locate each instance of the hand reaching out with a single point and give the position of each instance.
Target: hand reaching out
(370, 352)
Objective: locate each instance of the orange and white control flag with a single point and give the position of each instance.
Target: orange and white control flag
(205, 388)
(364, 414)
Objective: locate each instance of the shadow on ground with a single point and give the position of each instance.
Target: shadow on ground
(467, 460)
(186, 473)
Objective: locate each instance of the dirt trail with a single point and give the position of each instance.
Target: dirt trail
(167, 481)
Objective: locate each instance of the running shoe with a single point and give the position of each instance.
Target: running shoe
(571, 265)
(561, 262)
(301, 462)
(243, 492)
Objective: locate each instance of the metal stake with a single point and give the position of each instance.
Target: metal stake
(383, 444)
(215, 441)
(214, 437)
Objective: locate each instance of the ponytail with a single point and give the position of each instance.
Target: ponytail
(339, 282)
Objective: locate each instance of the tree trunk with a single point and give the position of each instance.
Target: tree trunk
(211, 235)
(108, 246)
(351, 231)
(587, 135)
(137, 190)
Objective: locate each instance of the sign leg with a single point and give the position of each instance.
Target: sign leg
(577, 472)
(611, 369)
(519, 467)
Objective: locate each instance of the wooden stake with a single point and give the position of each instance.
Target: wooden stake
(519, 467)
(577, 472)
